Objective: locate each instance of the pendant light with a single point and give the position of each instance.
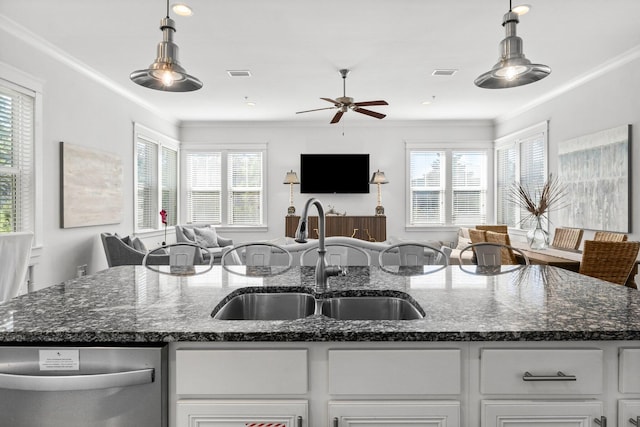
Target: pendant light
(166, 73)
(513, 69)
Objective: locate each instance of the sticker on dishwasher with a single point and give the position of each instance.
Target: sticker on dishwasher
(59, 360)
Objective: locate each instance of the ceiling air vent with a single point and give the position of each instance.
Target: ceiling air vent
(239, 73)
(443, 72)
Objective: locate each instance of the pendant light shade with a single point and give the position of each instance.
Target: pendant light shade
(513, 69)
(166, 73)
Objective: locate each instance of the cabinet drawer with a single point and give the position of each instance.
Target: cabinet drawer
(540, 413)
(376, 372)
(241, 372)
(629, 381)
(544, 371)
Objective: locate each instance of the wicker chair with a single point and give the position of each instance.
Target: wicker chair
(607, 236)
(507, 255)
(610, 261)
(477, 236)
(567, 238)
(496, 228)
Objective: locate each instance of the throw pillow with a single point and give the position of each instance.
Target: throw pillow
(138, 244)
(206, 237)
(126, 240)
(189, 234)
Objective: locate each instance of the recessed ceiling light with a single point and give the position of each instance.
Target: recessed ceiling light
(248, 102)
(429, 101)
(521, 9)
(182, 9)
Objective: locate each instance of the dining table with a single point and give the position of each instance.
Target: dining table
(568, 259)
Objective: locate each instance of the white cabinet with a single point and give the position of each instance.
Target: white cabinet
(423, 413)
(241, 413)
(539, 413)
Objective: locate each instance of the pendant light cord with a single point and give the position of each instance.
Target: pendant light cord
(168, 8)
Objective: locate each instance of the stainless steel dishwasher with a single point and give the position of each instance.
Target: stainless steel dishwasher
(83, 386)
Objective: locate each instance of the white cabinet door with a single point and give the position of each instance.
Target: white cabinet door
(542, 413)
(423, 413)
(628, 412)
(241, 413)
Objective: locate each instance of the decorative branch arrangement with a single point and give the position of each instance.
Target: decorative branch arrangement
(538, 202)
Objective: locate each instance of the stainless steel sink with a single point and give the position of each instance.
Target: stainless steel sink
(370, 308)
(268, 306)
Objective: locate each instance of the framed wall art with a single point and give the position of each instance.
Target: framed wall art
(91, 187)
(596, 170)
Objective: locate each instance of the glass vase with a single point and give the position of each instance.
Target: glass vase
(537, 237)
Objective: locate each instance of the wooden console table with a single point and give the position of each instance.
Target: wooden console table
(370, 228)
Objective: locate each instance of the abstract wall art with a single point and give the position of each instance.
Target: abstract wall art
(596, 171)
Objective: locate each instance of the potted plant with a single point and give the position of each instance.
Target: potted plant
(538, 203)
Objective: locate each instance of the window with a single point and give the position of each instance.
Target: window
(17, 144)
(520, 157)
(447, 186)
(226, 186)
(156, 179)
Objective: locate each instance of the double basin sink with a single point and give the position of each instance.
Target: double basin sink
(298, 305)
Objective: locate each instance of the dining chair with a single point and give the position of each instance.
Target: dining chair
(610, 261)
(567, 238)
(341, 254)
(497, 228)
(507, 255)
(607, 236)
(494, 254)
(183, 258)
(477, 236)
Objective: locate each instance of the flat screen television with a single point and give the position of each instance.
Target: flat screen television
(334, 173)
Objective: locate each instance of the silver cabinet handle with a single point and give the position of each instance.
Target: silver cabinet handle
(336, 422)
(299, 421)
(560, 376)
(76, 382)
(635, 422)
(602, 421)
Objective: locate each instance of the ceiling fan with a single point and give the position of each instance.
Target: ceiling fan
(345, 103)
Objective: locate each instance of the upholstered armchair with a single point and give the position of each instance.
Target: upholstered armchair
(127, 251)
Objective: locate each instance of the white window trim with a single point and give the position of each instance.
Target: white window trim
(445, 146)
(160, 140)
(514, 139)
(227, 147)
(16, 77)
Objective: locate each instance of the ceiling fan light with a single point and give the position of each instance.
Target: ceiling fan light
(513, 69)
(166, 73)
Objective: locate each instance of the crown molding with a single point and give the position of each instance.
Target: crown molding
(607, 67)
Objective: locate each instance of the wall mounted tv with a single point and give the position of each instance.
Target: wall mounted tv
(334, 173)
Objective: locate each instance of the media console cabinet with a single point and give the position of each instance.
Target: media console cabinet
(369, 228)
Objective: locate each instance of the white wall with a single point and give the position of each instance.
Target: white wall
(604, 102)
(383, 140)
(78, 110)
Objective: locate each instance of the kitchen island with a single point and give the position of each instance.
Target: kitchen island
(538, 345)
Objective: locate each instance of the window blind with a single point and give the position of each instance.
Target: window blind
(169, 162)
(468, 183)
(204, 187)
(17, 111)
(532, 168)
(245, 188)
(506, 177)
(147, 186)
(427, 187)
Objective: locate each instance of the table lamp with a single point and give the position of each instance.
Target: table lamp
(291, 178)
(379, 178)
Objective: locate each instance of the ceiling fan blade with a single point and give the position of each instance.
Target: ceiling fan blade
(317, 109)
(337, 117)
(370, 113)
(367, 103)
(332, 101)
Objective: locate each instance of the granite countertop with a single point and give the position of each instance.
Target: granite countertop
(131, 304)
